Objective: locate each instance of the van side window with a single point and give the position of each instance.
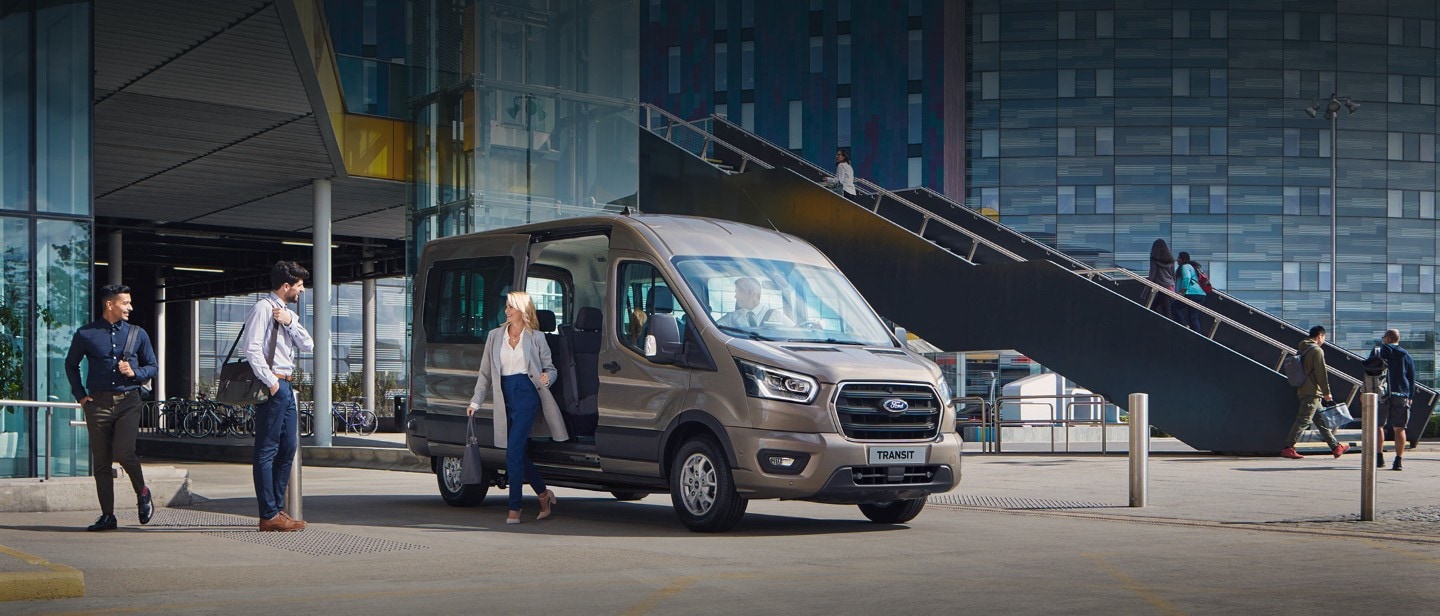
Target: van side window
(466, 297)
(642, 293)
(549, 295)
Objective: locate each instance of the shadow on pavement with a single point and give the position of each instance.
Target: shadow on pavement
(574, 516)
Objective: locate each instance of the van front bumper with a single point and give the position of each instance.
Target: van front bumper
(838, 470)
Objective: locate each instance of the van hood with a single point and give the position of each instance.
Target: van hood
(832, 363)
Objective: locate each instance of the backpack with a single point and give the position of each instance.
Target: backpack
(1294, 370)
(1377, 376)
(1204, 281)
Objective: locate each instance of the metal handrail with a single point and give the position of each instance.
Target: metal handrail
(881, 192)
(1018, 236)
(709, 137)
(984, 416)
(1284, 348)
(1065, 421)
(49, 417)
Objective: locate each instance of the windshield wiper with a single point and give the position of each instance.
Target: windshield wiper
(744, 333)
(827, 341)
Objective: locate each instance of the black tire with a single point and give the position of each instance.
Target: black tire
(456, 494)
(702, 489)
(366, 422)
(628, 496)
(893, 512)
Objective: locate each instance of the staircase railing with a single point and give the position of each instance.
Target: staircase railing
(1283, 349)
(695, 140)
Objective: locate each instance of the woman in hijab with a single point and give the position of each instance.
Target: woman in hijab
(1162, 272)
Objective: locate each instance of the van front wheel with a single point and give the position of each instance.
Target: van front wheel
(893, 512)
(702, 489)
(455, 493)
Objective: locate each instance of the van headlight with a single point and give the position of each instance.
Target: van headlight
(776, 384)
(945, 394)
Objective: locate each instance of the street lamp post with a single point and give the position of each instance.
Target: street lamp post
(1331, 106)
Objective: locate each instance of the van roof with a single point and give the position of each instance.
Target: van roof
(672, 235)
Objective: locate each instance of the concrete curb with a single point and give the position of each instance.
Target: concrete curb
(169, 487)
(50, 581)
(240, 451)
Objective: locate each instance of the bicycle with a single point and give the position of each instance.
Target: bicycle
(346, 415)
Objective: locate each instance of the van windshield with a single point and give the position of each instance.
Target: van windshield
(766, 299)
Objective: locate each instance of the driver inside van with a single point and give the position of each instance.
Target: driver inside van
(748, 314)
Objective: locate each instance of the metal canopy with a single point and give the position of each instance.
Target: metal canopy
(203, 124)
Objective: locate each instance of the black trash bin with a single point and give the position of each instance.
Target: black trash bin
(400, 413)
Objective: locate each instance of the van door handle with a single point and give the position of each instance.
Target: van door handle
(612, 366)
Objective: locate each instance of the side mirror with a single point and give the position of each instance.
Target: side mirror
(903, 336)
(663, 344)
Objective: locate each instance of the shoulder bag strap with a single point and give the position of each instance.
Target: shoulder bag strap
(129, 350)
(270, 357)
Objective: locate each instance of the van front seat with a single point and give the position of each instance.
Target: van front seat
(564, 361)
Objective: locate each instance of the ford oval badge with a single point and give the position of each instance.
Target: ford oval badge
(895, 405)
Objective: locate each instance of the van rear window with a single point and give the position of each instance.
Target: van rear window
(465, 298)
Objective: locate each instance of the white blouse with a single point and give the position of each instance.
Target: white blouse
(512, 360)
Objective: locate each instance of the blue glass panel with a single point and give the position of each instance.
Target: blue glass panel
(1410, 60)
(1143, 53)
(1306, 171)
(1199, 112)
(1028, 56)
(1028, 172)
(984, 57)
(1133, 82)
(985, 114)
(1153, 24)
(1257, 170)
(1028, 26)
(1410, 241)
(1085, 111)
(984, 172)
(1256, 24)
(1145, 141)
(1361, 239)
(1245, 199)
(1254, 276)
(1087, 53)
(1144, 170)
(1142, 111)
(62, 284)
(1084, 170)
(1357, 202)
(1257, 83)
(1201, 53)
(1205, 237)
(1410, 307)
(1150, 200)
(1256, 142)
(1201, 169)
(1027, 142)
(14, 114)
(1411, 175)
(1257, 54)
(1135, 234)
(1028, 84)
(62, 109)
(1307, 238)
(1256, 238)
(1090, 238)
(1033, 113)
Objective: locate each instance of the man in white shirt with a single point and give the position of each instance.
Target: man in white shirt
(748, 314)
(273, 335)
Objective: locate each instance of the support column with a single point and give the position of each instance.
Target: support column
(320, 299)
(117, 256)
(194, 349)
(159, 339)
(367, 344)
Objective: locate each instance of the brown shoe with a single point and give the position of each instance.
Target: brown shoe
(279, 524)
(302, 523)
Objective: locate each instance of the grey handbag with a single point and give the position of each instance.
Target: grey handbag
(470, 465)
(1334, 417)
(238, 384)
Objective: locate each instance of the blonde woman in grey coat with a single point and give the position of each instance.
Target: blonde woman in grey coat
(516, 368)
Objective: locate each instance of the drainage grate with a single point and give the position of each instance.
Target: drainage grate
(318, 542)
(1005, 502)
(309, 541)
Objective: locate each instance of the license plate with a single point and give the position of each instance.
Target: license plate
(880, 456)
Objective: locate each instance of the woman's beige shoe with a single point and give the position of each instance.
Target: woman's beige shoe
(513, 518)
(547, 498)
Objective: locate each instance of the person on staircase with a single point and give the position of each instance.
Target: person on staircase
(844, 176)
(1187, 282)
(1162, 272)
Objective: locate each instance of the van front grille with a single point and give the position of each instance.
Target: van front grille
(888, 411)
(893, 475)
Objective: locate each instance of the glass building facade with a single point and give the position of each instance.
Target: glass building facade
(523, 111)
(1110, 124)
(45, 227)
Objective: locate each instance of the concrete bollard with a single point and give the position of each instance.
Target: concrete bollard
(1139, 448)
(1370, 443)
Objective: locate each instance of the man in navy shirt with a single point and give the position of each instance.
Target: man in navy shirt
(112, 401)
(1396, 408)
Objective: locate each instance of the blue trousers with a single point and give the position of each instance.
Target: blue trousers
(522, 403)
(277, 435)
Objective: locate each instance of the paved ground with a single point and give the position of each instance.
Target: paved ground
(1024, 533)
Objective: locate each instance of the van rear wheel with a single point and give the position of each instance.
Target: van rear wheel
(456, 493)
(702, 489)
(893, 512)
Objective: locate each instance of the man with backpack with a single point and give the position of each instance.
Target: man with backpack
(1312, 392)
(1400, 383)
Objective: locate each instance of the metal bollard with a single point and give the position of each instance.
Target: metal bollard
(1369, 443)
(292, 492)
(1139, 448)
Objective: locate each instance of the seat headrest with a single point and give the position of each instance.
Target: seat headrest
(662, 301)
(588, 319)
(546, 319)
